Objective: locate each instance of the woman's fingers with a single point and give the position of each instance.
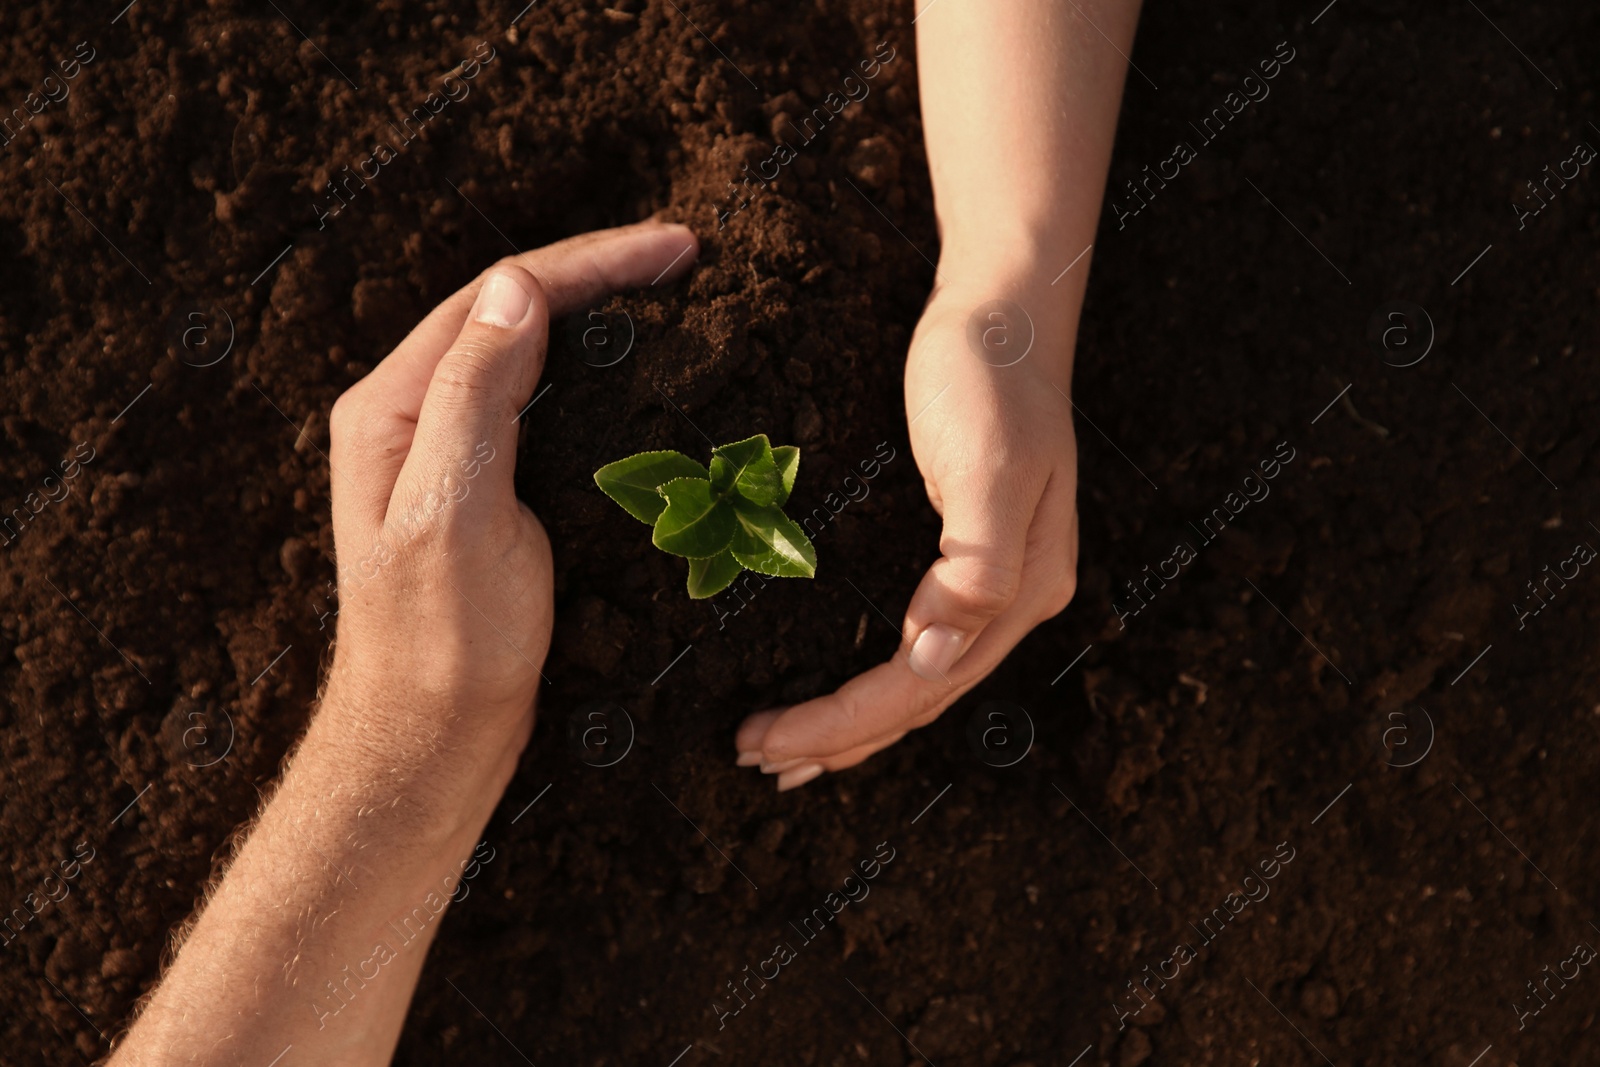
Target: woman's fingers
(748, 739)
(885, 700)
(874, 709)
(799, 774)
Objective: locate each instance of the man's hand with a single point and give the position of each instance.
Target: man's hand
(444, 576)
(445, 611)
(996, 449)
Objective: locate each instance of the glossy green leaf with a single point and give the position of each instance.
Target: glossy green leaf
(748, 468)
(724, 517)
(710, 576)
(787, 457)
(633, 482)
(695, 524)
(768, 542)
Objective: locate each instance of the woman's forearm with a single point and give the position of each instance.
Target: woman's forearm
(1019, 109)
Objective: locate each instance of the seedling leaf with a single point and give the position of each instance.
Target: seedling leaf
(787, 458)
(633, 482)
(695, 524)
(747, 468)
(768, 542)
(722, 518)
(710, 576)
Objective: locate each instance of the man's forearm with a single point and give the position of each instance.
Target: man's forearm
(1019, 106)
(317, 933)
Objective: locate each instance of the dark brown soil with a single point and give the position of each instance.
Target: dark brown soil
(147, 613)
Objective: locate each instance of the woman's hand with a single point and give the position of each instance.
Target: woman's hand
(991, 430)
(1018, 113)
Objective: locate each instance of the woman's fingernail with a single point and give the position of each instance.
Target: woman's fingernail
(779, 766)
(501, 302)
(935, 651)
(753, 731)
(799, 776)
(749, 759)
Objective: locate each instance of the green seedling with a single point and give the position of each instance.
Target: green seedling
(722, 520)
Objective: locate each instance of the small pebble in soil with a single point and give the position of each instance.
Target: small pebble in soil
(1320, 999)
(1135, 1049)
(876, 162)
(770, 836)
(295, 558)
(120, 963)
(807, 421)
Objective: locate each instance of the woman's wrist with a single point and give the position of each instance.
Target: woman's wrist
(1007, 242)
(1024, 270)
(1002, 297)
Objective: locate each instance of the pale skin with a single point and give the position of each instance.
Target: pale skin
(445, 587)
(1017, 200)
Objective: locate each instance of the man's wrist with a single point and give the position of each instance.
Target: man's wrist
(429, 772)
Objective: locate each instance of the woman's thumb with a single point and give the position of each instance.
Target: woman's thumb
(978, 575)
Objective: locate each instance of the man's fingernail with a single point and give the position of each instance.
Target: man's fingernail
(749, 759)
(799, 776)
(501, 302)
(779, 766)
(935, 651)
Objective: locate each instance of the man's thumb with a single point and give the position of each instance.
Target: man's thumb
(478, 386)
